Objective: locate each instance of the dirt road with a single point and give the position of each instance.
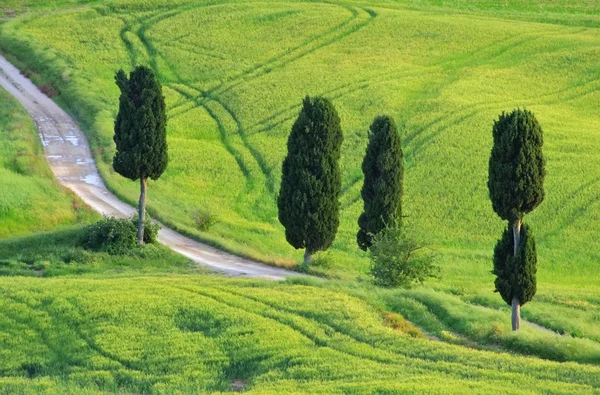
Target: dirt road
(70, 158)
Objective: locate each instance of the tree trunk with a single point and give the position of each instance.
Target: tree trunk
(307, 258)
(141, 210)
(515, 303)
(517, 236)
(516, 314)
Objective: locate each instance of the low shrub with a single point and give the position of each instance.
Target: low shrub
(118, 236)
(204, 220)
(112, 235)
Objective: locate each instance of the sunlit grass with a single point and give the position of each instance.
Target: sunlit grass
(203, 334)
(234, 75)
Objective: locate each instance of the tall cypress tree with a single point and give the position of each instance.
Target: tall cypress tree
(383, 168)
(516, 181)
(311, 180)
(140, 132)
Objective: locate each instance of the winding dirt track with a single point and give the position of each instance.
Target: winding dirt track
(68, 153)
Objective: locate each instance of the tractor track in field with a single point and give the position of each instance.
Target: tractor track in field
(296, 321)
(277, 315)
(312, 44)
(56, 318)
(69, 156)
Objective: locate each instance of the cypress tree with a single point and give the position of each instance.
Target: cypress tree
(383, 169)
(311, 180)
(516, 177)
(140, 132)
(516, 274)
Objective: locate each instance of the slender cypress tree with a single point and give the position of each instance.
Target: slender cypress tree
(516, 179)
(311, 180)
(383, 168)
(140, 132)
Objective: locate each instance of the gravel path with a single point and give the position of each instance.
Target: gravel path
(69, 156)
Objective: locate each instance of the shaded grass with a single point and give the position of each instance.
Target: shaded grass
(61, 253)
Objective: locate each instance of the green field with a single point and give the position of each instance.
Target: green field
(75, 321)
(30, 198)
(123, 325)
(197, 334)
(234, 74)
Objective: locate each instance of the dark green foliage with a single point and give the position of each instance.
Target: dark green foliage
(516, 167)
(112, 235)
(383, 168)
(140, 127)
(118, 236)
(398, 260)
(516, 276)
(311, 181)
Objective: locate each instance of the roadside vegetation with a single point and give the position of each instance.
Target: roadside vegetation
(74, 251)
(31, 199)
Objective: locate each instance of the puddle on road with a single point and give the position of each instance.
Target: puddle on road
(92, 179)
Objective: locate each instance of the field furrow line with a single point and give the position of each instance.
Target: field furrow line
(223, 133)
(309, 46)
(265, 67)
(421, 140)
(276, 314)
(75, 330)
(394, 356)
(260, 160)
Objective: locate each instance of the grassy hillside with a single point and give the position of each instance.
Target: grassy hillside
(61, 253)
(75, 321)
(234, 75)
(30, 198)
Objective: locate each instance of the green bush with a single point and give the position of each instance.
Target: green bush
(204, 220)
(118, 236)
(398, 260)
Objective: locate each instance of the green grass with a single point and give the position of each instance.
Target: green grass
(201, 334)
(30, 198)
(234, 75)
(235, 81)
(77, 321)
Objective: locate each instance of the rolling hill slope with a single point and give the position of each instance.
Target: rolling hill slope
(234, 74)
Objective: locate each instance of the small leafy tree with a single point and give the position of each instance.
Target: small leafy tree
(140, 133)
(398, 260)
(383, 169)
(516, 177)
(311, 180)
(516, 274)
